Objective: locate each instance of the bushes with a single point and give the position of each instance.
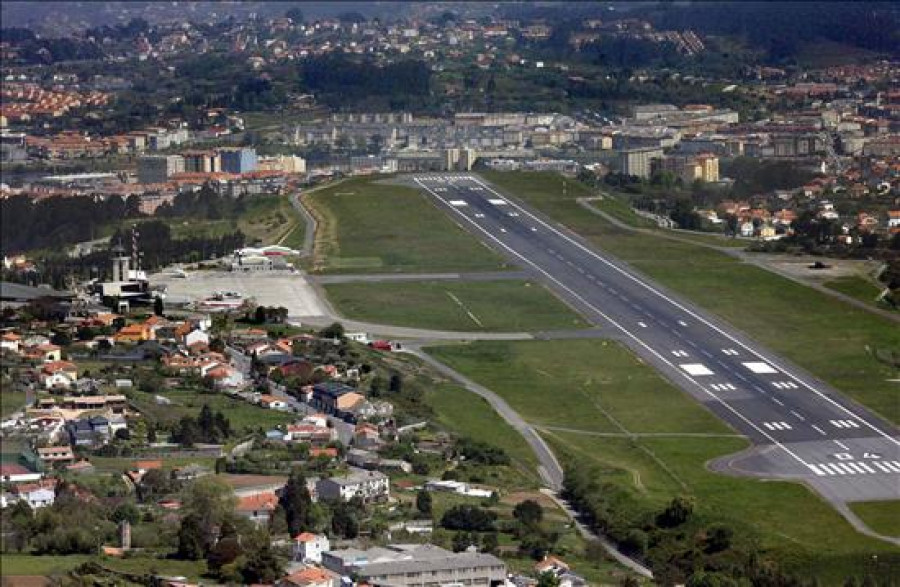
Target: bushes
(468, 518)
(481, 452)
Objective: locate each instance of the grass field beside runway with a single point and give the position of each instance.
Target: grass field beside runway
(826, 336)
(881, 516)
(582, 393)
(505, 305)
(860, 288)
(592, 385)
(366, 227)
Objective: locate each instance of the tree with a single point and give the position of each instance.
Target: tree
(295, 14)
(676, 513)
(158, 306)
(259, 315)
(263, 565)
(718, 538)
(334, 331)
(191, 538)
(469, 518)
(529, 512)
(344, 520)
(126, 511)
(548, 579)
(297, 504)
(462, 541)
(210, 501)
(423, 502)
(490, 543)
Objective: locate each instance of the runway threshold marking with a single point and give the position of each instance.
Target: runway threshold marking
(700, 318)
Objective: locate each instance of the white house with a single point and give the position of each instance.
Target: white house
(60, 379)
(893, 219)
(196, 336)
(308, 547)
(369, 485)
(36, 495)
(11, 341)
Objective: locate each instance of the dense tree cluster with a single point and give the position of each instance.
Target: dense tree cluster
(346, 84)
(481, 452)
(209, 427)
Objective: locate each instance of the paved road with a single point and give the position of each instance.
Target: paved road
(840, 449)
(549, 468)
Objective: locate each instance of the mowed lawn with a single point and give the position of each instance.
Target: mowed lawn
(243, 416)
(365, 226)
(828, 337)
(502, 305)
(23, 564)
(11, 401)
(580, 393)
(881, 516)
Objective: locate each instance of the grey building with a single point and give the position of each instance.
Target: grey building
(158, 169)
(416, 565)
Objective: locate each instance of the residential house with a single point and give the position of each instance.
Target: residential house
(326, 396)
(560, 570)
(133, 333)
(308, 547)
(91, 431)
(10, 341)
(257, 508)
(36, 495)
(310, 577)
(48, 352)
(368, 485)
(16, 473)
(58, 374)
(366, 435)
(309, 433)
(226, 377)
(893, 222)
(271, 402)
(51, 456)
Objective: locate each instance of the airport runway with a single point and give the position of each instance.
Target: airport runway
(803, 429)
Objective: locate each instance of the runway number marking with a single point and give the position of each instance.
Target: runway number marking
(785, 385)
(680, 353)
(730, 352)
